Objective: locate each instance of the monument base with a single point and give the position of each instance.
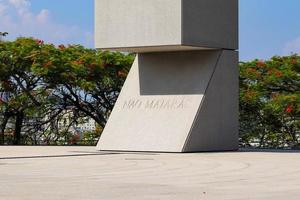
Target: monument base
(177, 102)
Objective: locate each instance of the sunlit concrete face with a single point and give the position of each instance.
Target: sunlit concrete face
(166, 25)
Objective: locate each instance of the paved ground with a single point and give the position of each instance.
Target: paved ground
(51, 173)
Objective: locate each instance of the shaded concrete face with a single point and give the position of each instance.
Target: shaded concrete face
(216, 126)
(210, 23)
(176, 102)
(166, 25)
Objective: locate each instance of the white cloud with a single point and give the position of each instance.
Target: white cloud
(22, 8)
(17, 19)
(20, 3)
(43, 16)
(292, 47)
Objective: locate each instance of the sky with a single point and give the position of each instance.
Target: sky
(266, 27)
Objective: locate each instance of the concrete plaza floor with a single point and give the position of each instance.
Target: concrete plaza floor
(51, 173)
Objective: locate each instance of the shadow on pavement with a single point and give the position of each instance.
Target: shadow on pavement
(56, 156)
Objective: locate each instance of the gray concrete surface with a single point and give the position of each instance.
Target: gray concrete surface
(77, 173)
(216, 126)
(176, 102)
(169, 25)
(182, 101)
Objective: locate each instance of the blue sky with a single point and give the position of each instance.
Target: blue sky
(267, 27)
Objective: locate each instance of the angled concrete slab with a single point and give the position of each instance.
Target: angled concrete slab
(176, 102)
(216, 126)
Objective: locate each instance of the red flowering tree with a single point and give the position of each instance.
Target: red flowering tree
(87, 80)
(270, 102)
(18, 85)
(39, 81)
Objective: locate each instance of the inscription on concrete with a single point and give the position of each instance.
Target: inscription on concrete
(154, 104)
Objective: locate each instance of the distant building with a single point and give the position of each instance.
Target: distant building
(84, 124)
(88, 125)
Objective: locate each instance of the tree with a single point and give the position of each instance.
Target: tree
(40, 81)
(270, 102)
(3, 33)
(86, 79)
(25, 92)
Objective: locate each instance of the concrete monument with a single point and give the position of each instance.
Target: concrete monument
(181, 94)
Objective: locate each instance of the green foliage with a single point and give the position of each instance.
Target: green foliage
(270, 102)
(42, 80)
(3, 34)
(90, 138)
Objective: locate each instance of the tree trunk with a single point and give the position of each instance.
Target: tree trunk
(3, 127)
(18, 128)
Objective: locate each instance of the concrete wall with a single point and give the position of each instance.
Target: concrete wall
(166, 25)
(171, 102)
(180, 101)
(137, 23)
(210, 23)
(216, 126)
